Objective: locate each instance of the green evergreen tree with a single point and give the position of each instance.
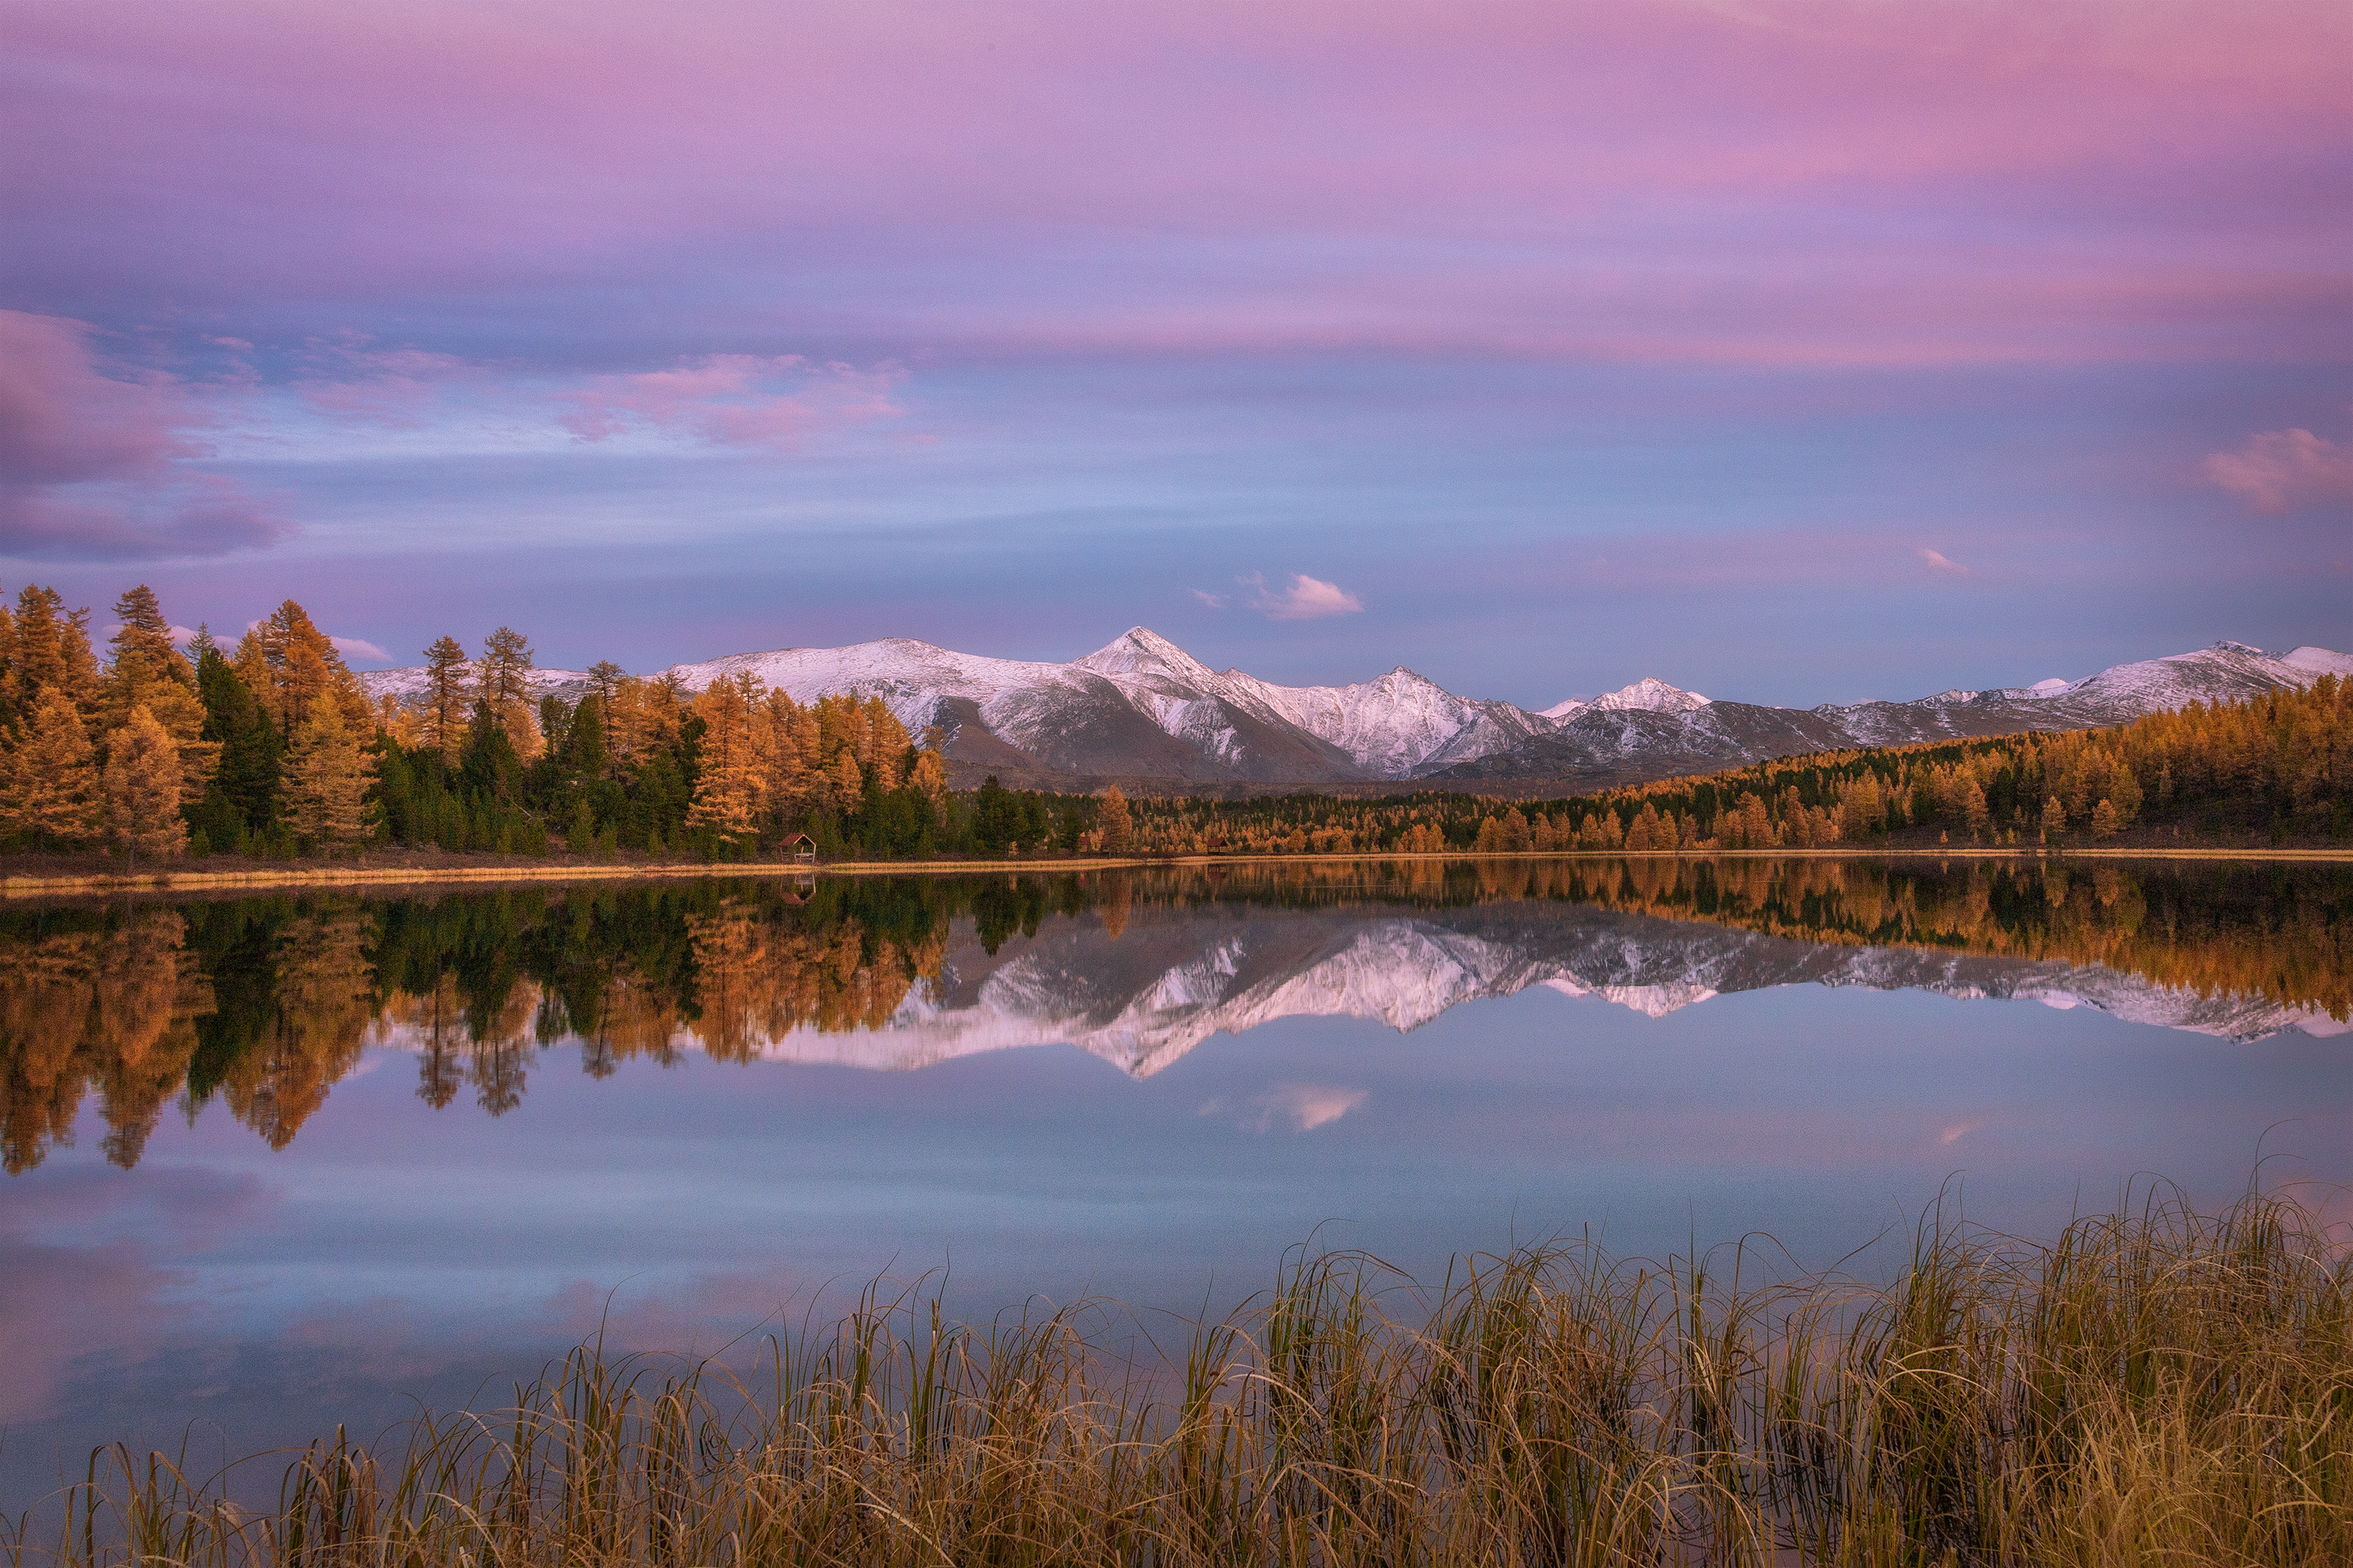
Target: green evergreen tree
(490, 768)
(242, 801)
(586, 757)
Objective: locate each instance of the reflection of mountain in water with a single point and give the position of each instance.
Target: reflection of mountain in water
(1173, 979)
(265, 1004)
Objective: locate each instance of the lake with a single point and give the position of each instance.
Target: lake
(279, 1163)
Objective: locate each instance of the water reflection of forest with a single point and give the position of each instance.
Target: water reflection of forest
(264, 1003)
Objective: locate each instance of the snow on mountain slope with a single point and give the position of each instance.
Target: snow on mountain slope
(408, 684)
(2226, 672)
(1648, 695)
(2319, 661)
(910, 678)
(1391, 727)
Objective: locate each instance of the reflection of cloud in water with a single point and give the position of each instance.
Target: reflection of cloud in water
(70, 1292)
(1304, 1107)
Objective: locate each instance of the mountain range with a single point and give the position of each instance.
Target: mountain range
(1142, 710)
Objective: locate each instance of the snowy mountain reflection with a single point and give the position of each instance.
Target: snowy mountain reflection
(264, 1003)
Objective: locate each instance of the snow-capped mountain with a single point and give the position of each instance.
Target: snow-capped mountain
(1143, 709)
(1173, 978)
(1596, 746)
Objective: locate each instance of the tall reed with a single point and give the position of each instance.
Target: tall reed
(2159, 1386)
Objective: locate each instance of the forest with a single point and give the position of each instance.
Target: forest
(270, 748)
(164, 751)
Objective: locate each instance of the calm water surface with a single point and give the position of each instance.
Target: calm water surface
(275, 1163)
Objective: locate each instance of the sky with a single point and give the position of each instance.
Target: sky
(1790, 353)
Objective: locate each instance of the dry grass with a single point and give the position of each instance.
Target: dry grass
(2159, 1387)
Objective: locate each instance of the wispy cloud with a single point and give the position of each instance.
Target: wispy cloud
(2283, 470)
(1306, 599)
(1937, 561)
(347, 379)
(1215, 601)
(733, 400)
(1302, 1107)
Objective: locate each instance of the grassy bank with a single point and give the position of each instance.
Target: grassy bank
(49, 879)
(2157, 1387)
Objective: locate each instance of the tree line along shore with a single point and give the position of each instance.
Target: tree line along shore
(270, 751)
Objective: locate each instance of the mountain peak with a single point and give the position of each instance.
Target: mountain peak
(1653, 695)
(1140, 650)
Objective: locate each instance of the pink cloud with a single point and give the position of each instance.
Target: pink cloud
(732, 400)
(1783, 182)
(1306, 599)
(1936, 560)
(2283, 470)
(93, 466)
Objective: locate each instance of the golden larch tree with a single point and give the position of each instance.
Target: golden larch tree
(50, 783)
(49, 651)
(146, 670)
(726, 793)
(1111, 819)
(143, 790)
(292, 669)
(328, 772)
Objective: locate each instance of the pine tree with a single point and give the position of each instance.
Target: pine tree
(585, 757)
(448, 694)
(50, 789)
(327, 776)
(143, 790)
(242, 802)
(1118, 827)
(488, 769)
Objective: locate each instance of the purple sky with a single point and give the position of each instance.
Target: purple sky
(1788, 351)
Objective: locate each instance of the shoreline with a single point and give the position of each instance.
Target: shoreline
(362, 875)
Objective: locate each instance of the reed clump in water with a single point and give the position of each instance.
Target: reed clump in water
(2159, 1386)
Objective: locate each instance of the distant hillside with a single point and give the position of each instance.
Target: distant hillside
(2272, 769)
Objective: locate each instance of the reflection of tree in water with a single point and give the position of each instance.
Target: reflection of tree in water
(269, 1002)
(757, 981)
(459, 1041)
(324, 1002)
(109, 1004)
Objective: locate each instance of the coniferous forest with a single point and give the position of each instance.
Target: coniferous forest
(270, 748)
